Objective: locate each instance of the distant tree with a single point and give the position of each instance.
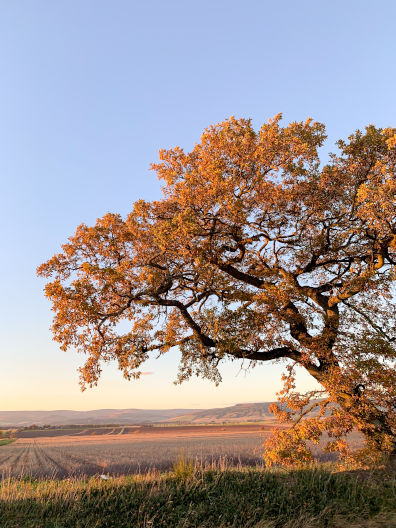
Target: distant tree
(259, 253)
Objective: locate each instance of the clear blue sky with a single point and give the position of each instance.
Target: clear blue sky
(90, 90)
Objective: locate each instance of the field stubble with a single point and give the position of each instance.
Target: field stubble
(115, 452)
(127, 451)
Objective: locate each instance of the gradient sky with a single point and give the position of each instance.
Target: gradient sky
(90, 90)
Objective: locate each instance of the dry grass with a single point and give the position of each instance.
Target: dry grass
(217, 497)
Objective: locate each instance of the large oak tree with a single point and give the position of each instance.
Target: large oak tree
(256, 252)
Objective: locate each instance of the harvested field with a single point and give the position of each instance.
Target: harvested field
(174, 430)
(129, 450)
(75, 431)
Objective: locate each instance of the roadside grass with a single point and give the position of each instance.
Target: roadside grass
(205, 498)
(6, 441)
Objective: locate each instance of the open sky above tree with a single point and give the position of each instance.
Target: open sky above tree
(89, 94)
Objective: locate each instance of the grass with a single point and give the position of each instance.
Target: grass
(6, 441)
(214, 498)
(183, 468)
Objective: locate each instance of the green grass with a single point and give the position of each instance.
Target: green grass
(6, 441)
(315, 498)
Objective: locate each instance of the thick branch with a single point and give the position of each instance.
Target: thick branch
(268, 355)
(240, 275)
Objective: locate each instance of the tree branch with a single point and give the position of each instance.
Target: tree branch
(371, 323)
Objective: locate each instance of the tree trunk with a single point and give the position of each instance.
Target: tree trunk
(371, 421)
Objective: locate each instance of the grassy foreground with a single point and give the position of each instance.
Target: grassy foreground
(213, 498)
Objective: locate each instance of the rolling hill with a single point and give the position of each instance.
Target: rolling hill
(94, 417)
(242, 412)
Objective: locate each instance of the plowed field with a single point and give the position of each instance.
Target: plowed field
(127, 450)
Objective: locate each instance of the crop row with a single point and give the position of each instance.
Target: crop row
(59, 461)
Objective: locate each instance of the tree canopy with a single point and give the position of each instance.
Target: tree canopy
(257, 251)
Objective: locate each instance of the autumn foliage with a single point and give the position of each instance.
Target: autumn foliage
(257, 252)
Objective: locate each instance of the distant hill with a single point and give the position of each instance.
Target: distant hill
(241, 412)
(95, 417)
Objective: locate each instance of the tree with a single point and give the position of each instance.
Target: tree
(256, 252)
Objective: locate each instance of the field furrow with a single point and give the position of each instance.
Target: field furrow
(5, 460)
(58, 469)
(17, 463)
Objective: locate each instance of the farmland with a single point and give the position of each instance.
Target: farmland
(52, 478)
(115, 451)
(127, 450)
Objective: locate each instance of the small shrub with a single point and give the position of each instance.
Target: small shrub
(183, 468)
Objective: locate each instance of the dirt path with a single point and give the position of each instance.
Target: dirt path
(81, 433)
(111, 432)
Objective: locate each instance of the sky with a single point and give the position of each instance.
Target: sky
(90, 90)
